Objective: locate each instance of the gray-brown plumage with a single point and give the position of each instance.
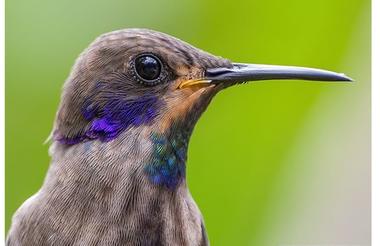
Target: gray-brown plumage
(119, 143)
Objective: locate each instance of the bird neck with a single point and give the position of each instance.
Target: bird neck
(135, 183)
(156, 157)
(167, 163)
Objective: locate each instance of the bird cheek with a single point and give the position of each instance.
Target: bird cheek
(178, 106)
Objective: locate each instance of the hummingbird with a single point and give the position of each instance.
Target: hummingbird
(119, 143)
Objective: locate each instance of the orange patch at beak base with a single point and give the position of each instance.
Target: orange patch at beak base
(194, 82)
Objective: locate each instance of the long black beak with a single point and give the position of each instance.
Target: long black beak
(249, 72)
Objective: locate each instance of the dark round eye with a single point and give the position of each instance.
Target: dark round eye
(148, 68)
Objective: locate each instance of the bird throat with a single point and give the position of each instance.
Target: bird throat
(167, 164)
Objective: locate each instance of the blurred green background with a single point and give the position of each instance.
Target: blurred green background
(270, 163)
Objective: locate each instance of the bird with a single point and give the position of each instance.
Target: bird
(120, 141)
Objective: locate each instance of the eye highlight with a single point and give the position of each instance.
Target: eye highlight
(148, 68)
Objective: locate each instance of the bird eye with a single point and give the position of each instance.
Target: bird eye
(148, 68)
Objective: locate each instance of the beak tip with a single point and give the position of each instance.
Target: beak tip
(345, 78)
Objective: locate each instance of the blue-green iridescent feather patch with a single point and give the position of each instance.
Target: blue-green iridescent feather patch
(167, 165)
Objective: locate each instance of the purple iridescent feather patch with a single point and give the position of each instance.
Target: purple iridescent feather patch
(118, 114)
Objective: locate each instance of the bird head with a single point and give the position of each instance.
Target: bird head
(137, 77)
